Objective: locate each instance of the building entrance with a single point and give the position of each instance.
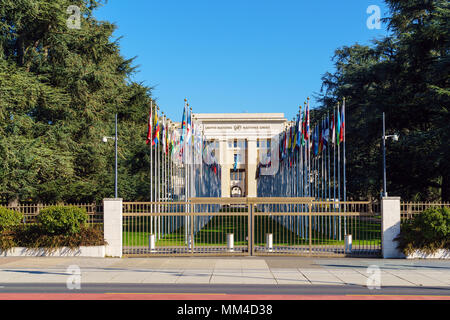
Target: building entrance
(237, 181)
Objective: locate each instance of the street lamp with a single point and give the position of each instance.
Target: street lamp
(385, 137)
(105, 140)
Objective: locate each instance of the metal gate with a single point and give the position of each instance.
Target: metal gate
(251, 226)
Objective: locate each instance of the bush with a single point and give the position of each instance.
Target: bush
(428, 231)
(9, 219)
(34, 236)
(60, 220)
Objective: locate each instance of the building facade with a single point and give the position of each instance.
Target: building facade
(240, 140)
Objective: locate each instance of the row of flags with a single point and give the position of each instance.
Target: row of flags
(328, 130)
(174, 141)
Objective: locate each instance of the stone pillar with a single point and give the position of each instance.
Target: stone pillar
(224, 169)
(390, 227)
(251, 160)
(112, 226)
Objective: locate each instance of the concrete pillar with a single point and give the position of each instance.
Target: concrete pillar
(348, 243)
(224, 169)
(112, 226)
(251, 160)
(269, 242)
(390, 227)
(230, 242)
(152, 242)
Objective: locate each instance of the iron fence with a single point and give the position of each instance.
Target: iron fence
(31, 211)
(409, 209)
(256, 226)
(185, 228)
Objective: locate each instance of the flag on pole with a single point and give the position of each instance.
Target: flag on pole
(338, 126)
(163, 134)
(290, 140)
(326, 133)
(167, 140)
(316, 140)
(156, 130)
(333, 130)
(149, 132)
(342, 129)
(321, 139)
(183, 125)
(307, 123)
(188, 128)
(304, 127)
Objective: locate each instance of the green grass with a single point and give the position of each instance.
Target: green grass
(214, 233)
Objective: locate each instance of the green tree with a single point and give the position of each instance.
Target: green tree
(404, 75)
(59, 91)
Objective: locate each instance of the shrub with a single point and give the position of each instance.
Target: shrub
(33, 236)
(428, 231)
(9, 219)
(60, 220)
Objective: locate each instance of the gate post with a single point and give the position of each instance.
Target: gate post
(390, 227)
(112, 226)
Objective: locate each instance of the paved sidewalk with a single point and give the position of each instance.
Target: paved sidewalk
(243, 271)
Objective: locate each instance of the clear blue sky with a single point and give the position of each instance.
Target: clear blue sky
(236, 55)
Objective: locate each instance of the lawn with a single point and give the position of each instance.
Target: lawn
(214, 233)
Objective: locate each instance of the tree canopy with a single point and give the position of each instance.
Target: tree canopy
(405, 75)
(59, 90)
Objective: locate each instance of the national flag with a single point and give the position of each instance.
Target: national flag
(303, 128)
(163, 134)
(167, 140)
(333, 130)
(307, 123)
(290, 140)
(321, 139)
(149, 132)
(338, 126)
(299, 130)
(188, 128)
(183, 126)
(316, 140)
(326, 133)
(342, 131)
(156, 130)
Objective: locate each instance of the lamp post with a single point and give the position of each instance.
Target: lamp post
(385, 137)
(105, 139)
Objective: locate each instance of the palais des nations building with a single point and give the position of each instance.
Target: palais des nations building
(239, 138)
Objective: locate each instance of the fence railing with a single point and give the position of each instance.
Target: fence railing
(317, 227)
(184, 228)
(251, 226)
(31, 211)
(409, 209)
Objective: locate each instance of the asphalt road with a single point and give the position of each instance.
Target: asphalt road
(219, 289)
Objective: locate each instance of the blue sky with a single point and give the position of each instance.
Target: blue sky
(236, 55)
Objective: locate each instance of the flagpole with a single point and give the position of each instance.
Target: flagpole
(329, 164)
(151, 149)
(343, 146)
(339, 172)
(185, 174)
(334, 167)
(151, 161)
(159, 180)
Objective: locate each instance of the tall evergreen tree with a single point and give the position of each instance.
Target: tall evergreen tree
(60, 88)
